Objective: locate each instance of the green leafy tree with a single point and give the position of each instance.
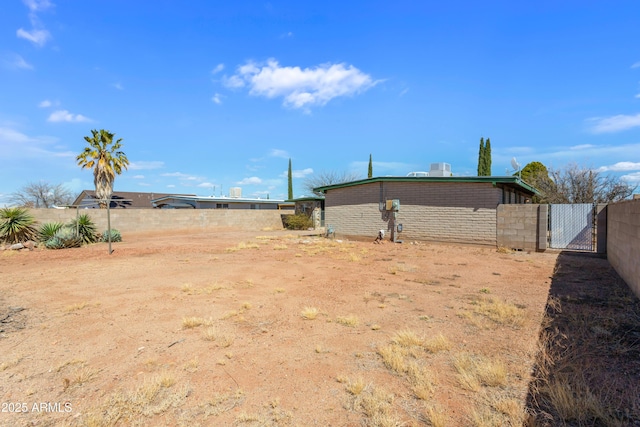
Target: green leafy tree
(290, 182)
(481, 158)
(104, 156)
(370, 172)
(487, 158)
(532, 172)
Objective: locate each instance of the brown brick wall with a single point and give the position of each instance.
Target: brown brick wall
(449, 212)
(623, 241)
(127, 220)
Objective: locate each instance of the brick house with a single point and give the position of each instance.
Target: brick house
(448, 209)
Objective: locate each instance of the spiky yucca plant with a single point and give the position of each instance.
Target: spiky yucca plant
(64, 238)
(48, 230)
(115, 236)
(17, 225)
(86, 228)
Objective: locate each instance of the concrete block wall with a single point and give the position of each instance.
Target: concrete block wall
(522, 227)
(448, 212)
(129, 220)
(623, 241)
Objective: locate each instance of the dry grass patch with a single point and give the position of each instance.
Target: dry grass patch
(498, 311)
(75, 307)
(435, 416)
(422, 380)
(155, 396)
(393, 357)
(309, 313)
(350, 320)
(475, 371)
(376, 405)
(355, 387)
(193, 322)
(220, 403)
(279, 247)
(10, 364)
(437, 344)
(407, 338)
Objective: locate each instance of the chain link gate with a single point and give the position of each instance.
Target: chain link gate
(572, 226)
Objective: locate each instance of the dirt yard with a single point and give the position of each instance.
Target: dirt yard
(269, 328)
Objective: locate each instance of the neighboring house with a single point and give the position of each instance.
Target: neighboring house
(312, 206)
(173, 201)
(119, 200)
(449, 209)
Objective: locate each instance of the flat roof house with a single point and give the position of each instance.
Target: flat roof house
(119, 199)
(447, 209)
(211, 202)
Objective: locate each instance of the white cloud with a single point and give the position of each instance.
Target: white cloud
(615, 123)
(206, 185)
(15, 61)
(65, 116)
(637, 96)
(404, 92)
(144, 184)
(37, 5)
(145, 165)
(301, 173)
(217, 98)
(250, 181)
(301, 88)
(581, 147)
(45, 104)
(279, 153)
(138, 177)
(37, 37)
(118, 86)
(632, 178)
(217, 69)
(636, 65)
(17, 145)
(621, 167)
(171, 186)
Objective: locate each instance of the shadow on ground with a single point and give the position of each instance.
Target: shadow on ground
(587, 370)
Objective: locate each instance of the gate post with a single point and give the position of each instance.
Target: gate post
(601, 228)
(543, 226)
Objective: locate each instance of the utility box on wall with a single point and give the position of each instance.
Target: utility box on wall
(393, 205)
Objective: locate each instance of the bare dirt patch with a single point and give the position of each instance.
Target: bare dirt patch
(270, 328)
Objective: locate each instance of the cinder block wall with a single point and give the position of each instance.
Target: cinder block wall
(518, 227)
(127, 220)
(623, 241)
(447, 212)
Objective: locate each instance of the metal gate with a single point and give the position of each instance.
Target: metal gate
(572, 226)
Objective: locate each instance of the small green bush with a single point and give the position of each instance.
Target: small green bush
(298, 221)
(64, 238)
(17, 225)
(115, 236)
(48, 230)
(86, 228)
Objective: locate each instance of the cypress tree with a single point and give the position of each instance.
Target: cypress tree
(481, 158)
(487, 158)
(370, 173)
(290, 176)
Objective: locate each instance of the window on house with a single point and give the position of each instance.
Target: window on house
(222, 206)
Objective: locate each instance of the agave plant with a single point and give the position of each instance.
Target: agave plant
(64, 238)
(115, 236)
(86, 228)
(17, 225)
(48, 230)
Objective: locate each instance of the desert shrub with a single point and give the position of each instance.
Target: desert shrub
(64, 238)
(17, 225)
(86, 228)
(48, 230)
(115, 235)
(298, 221)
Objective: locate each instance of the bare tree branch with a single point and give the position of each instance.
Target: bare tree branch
(42, 195)
(329, 178)
(575, 184)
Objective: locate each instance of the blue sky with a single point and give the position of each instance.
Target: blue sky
(212, 95)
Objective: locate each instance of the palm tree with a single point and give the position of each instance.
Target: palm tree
(104, 157)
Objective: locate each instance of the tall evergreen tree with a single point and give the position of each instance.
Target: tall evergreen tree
(487, 158)
(290, 179)
(370, 173)
(481, 158)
